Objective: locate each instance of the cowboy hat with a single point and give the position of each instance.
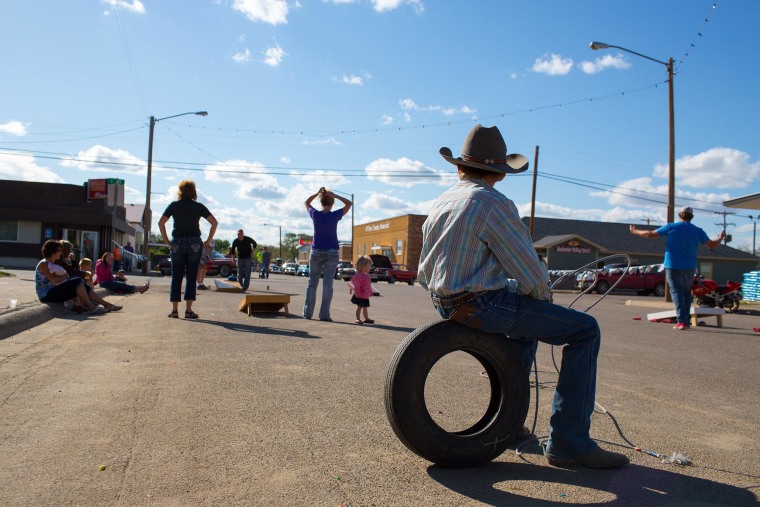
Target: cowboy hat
(484, 148)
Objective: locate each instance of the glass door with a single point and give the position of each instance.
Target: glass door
(88, 245)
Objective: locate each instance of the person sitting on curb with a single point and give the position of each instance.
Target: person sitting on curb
(60, 287)
(105, 278)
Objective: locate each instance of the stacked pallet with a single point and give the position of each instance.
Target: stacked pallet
(751, 286)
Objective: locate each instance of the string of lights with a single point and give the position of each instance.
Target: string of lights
(693, 43)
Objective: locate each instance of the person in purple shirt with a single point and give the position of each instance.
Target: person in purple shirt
(323, 259)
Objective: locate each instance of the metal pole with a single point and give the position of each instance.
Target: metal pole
(146, 213)
(352, 227)
(533, 197)
(672, 154)
(280, 227)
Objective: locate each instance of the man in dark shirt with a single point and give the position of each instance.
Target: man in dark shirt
(244, 246)
(266, 258)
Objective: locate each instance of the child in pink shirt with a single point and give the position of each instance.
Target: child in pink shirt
(362, 287)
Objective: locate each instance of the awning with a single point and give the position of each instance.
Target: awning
(746, 202)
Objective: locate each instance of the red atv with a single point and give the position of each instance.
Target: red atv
(709, 293)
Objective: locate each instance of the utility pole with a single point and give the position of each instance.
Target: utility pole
(725, 224)
(754, 232)
(533, 197)
(648, 220)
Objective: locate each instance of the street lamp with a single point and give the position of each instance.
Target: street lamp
(352, 222)
(279, 227)
(147, 214)
(671, 116)
(754, 231)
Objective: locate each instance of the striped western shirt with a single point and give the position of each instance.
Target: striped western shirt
(474, 240)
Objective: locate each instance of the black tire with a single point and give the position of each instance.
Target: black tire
(602, 287)
(731, 306)
(405, 395)
(224, 271)
(659, 290)
(392, 279)
(411, 282)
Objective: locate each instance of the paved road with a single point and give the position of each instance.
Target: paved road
(134, 408)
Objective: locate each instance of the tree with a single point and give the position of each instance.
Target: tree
(290, 244)
(221, 245)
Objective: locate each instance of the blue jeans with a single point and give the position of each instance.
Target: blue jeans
(186, 257)
(525, 320)
(264, 270)
(321, 262)
(679, 281)
(244, 272)
(118, 286)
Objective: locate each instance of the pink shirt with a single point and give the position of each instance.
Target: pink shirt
(362, 285)
(103, 271)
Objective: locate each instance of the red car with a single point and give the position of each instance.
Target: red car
(383, 269)
(220, 264)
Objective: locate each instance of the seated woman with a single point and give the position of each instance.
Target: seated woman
(66, 262)
(105, 278)
(58, 287)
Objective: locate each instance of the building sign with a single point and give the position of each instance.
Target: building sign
(97, 189)
(302, 241)
(377, 227)
(573, 247)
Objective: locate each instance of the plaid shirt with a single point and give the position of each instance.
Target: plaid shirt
(473, 240)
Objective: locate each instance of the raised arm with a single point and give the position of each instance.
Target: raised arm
(711, 244)
(346, 203)
(312, 197)
(643, 233)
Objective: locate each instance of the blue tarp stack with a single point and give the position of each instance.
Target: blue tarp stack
(751, 286)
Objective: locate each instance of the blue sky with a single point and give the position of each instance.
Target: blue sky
(359, 95)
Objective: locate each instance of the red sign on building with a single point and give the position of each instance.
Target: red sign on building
(97, 189)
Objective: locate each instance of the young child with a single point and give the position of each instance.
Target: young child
(121, 275)
(85, 265)
(362, 287)
(56, 269)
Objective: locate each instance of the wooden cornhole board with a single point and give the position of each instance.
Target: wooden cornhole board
(264, 302)
(227, 286)
(696, 314)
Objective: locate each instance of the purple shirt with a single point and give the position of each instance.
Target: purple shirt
(325, 228)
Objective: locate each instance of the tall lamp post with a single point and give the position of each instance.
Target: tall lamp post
(147, 218)
(671, 116)
(754, 231)
(279, 227)
(352, 222)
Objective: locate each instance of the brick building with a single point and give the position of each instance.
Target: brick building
(399, 238)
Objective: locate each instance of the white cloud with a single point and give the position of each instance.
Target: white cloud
(606, 62)
(327, 179)
(243, 56)
(273, 12)
(250, 179)
(13, 127)
(380, 206)
(389, 5)
(407, 173)
(273, 55)
(25, 168)
(319, 142)
(100, 158)
(133, 6)
(353, 80)
(553, 65)
(716, 168)
(411, 105)
(386, 120)
(285, 160)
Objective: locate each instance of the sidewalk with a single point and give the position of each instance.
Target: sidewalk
(29, 311)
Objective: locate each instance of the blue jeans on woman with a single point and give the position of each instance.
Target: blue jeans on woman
(680, 281)
(186, 257)
(118, 286)
(321, 262)
(525, 320)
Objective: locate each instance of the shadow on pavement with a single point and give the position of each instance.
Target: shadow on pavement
(247, 328)
(632, 485)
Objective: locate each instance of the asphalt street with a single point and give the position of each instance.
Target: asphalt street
(134, 408)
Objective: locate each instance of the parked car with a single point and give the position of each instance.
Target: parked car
(303, 270)
(220, 264)
(345, 271)
(643, 279)
(289, 268)
(274, 268)
(383, 270)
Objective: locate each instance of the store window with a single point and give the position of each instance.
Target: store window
(399, 247)
(8, 230)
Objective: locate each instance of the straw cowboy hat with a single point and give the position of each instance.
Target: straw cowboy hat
(484, 148)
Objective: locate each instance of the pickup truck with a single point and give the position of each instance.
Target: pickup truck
(643, 279)
(383, 270)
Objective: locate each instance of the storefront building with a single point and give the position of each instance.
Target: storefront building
(399, 238)
(91, 216)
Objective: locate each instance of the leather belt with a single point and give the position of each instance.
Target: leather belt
(448, 302)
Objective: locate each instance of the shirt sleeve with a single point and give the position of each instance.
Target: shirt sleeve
(509, 240)
(169, 210)
(205, 213)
